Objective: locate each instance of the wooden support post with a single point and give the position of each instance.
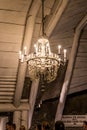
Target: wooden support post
(69, 71)
(27, 42)
(32, 100)
(24, 119)
(16, 119)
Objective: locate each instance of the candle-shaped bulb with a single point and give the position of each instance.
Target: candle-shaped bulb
(65, 51)
(35, 47)
(22, 58)
(20, 55)
(47, 48)
(59, 49)
(25, 50)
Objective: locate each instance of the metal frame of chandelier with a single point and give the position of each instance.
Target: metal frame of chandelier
(43, 63)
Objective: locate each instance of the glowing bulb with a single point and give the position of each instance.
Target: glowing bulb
(25, 50)
(65, 51)
(20, 55)
(59, 49)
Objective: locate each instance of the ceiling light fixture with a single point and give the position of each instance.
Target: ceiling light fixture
(42, 63)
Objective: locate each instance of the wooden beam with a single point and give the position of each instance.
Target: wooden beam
(9, 107)
(20, 83)
(32, 99)
(55, 17)
(68, 76)
(27, 42)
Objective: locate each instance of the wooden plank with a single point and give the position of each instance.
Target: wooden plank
(7, 90)
(63, 43)
(79, 72)
(77, 79)
(72, 8)
(11, 29)
(11, 33)
(7, 80)
(7, 72)
(77, 84)
(82, 49)
(62, 35)
(70, 14)
(7, 77)
(81, 64)
(6, 37)
(7, 83)
(8, 59)
(83, 40)
(7, 86)
(63, 25)
(5, 101)
(77, 2)
(77, 89)
(13, 17)
(7, 93)
(84, 34)
(16, 5)
(10, 47)
(6, 97)
(81, 59)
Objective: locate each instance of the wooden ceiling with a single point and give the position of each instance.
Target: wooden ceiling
(20, 25)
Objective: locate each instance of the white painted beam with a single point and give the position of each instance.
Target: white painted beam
(68, 76)
(32, 99)
(55, 17)
(27, 42)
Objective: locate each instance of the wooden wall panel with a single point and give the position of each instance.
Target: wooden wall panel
(8, 59)
(11, 33)
(8, 72)
(17, 5)
(10, 47)
(12, 17)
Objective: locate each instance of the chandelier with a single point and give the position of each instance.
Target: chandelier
(42, 63)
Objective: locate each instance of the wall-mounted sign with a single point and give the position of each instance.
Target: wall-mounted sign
(74, 120)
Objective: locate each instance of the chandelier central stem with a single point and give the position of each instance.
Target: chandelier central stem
(43, 18)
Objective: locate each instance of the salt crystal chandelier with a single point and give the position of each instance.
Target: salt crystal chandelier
(42, 63)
